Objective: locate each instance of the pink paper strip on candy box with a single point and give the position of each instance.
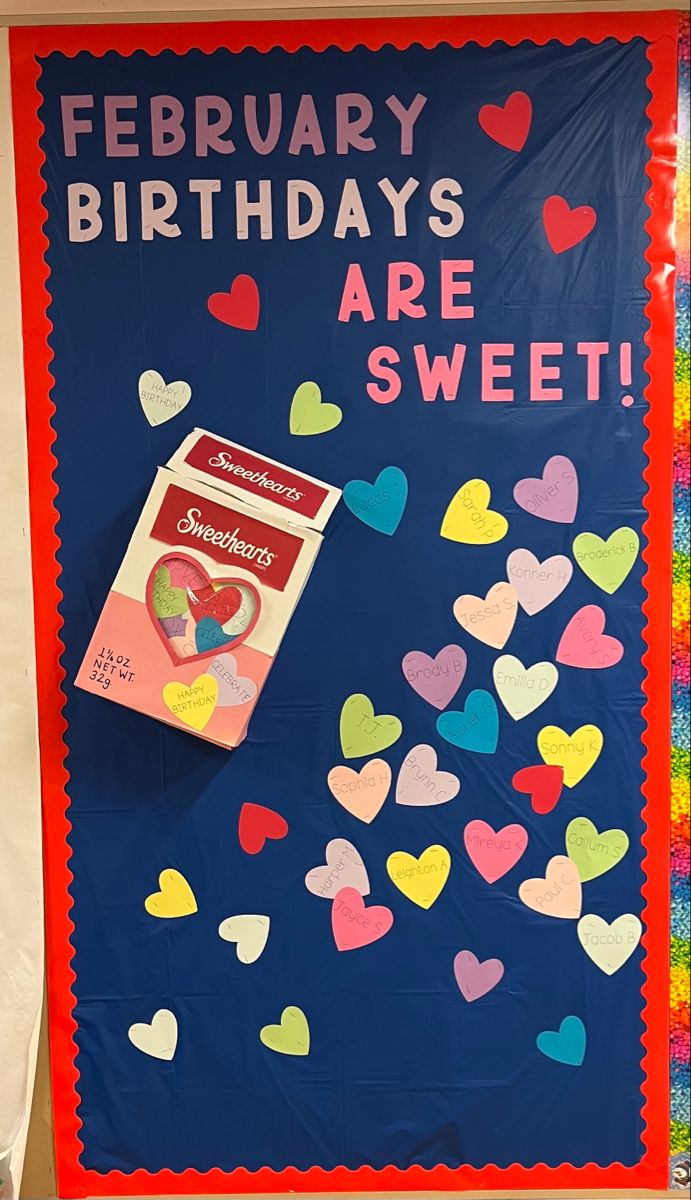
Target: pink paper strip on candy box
(218, 559)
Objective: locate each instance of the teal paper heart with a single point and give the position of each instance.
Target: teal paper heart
(380, 504)
(209, 635)
(476, 727)
(568, 1045)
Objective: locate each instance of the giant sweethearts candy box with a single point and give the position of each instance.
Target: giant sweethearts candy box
(218, 559)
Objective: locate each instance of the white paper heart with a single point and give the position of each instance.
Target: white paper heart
(537, 583)
(250, 933)
(233, 689)
(609, 946)
(344, 868)
(523, 689)
(162, 401)
(160, 1038)
(420, 784)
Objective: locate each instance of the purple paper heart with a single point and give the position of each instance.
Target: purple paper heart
(436, 679)
(173, 626)
(344, 868)
(475, 978)
(554, 497)
(233, 689)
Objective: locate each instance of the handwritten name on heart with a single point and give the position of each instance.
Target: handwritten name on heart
(362, 792)
(523, 689)
(607, 563)
(233, 689)
(364, 733)
(474, 728)
(544, 784)
(291, 1036)
(158, 1039)
(420, 784)
(494, 852)
(594, 853)
(553, 497)
(575, 753)
(380, 504)
(257, 825)
(567, 1045)
(537, 583)
(343, 868)
(436, 679)
(239, 306)
(490, 620)
(162, 401)
(559, 894)
(585, 644)
(309, 414)
(353, 924)
(474, 978)
(175, 899)
(249, 932)
(564, 226)
(469, 518)
(508, 124)
(192, 703)
(420, 879)
(609, 946)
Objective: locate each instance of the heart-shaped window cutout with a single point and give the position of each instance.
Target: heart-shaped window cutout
(194, 615)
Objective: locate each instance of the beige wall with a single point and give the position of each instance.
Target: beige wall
(39, 1174)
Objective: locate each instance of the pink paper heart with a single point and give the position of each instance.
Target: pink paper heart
(584, 642)
(494, 853)
(420, 785)
(436, 679)
(537, 583)
(559, 894)
(508, 124)
(565, 226)
(354, 925)
(343, 869)
(475, 978)
(554, 497)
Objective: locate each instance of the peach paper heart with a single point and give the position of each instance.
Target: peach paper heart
(559, 894)
(492, 619)
(362, 792)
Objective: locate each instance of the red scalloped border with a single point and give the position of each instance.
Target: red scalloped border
(659, 29)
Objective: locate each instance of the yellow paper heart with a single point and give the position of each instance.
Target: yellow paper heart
(175, 899)
(469, 518)
(576, 753)
(420, 879)
(193, 703)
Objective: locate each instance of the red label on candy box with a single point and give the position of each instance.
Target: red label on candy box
(205, 591)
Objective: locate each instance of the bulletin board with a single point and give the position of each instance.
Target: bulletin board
(429, 262)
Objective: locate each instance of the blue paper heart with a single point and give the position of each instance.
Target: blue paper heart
(209, 635)
(476, 727)
(380, 504)
(568, 1045)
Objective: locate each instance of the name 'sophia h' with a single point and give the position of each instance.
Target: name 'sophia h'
(224, 539)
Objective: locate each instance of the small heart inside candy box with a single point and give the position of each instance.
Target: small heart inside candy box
(195, 615)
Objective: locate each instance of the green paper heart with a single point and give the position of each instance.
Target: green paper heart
(309, 415)
(363, 733)
(594, 853)
(167, 601)
(292, 1036)
(607, 563)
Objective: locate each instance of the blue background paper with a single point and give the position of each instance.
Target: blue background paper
(401, 1070)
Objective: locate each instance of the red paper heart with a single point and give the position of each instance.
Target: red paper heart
(256, 824)
(543, 783)
(238, 307)
(508, 124)
(221, 605)
(566, 227)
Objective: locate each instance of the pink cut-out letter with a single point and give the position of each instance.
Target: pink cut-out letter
(450, 287)
(355, 298)
(441, 374)
(540, 372)
(492, 370)
(593, 352)
(401, 299)
(378, 366)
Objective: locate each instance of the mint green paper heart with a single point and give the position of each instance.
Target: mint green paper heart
(308, 414)
(167, 601)
(292, 1036)
(363, 733)
(594, 853)
(607, 563)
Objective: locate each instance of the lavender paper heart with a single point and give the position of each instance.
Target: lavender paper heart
(436, 679)
(343, 868)
(554, 497)
(420, 785)
(233, 689)
(475, 978)
(537, 583)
